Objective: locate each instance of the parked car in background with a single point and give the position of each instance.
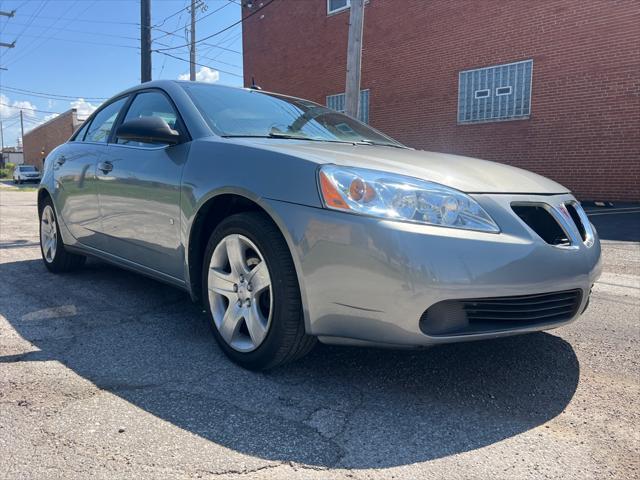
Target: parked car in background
(26, 173)
(294, 223)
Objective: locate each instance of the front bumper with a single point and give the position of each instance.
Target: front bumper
(369, 280)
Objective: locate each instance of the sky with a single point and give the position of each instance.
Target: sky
(76, 53)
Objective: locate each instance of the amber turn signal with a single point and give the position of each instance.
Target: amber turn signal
(330, 194)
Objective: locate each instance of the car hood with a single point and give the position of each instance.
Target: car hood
(466, 174)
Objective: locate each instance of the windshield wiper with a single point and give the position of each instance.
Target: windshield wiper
(287, 136)
(378, 144)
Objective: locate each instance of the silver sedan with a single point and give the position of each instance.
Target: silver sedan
(293, 223)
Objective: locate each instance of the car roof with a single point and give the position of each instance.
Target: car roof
(169, 85)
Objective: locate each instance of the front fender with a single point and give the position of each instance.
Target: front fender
(268, 207)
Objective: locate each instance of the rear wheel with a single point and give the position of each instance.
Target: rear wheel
(55, 257)
(252, 295)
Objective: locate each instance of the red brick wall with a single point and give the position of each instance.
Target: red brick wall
(48, 136)
(584, 130)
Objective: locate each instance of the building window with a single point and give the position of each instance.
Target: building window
(336, 102)
(501, 92)
(334, 6)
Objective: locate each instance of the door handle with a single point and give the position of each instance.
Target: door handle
(106, 167)
(61, 159)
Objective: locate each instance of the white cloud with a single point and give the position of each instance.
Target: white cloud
(205, 74)
(50, 117)
(83, 108)
(51, 103)
(9, 108)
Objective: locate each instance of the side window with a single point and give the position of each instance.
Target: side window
(150, 104)
(102, 123)
(79, 137)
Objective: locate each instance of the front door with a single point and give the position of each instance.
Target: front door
(74, 165)
(139, 193)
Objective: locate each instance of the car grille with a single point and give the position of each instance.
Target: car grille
(542, 222)
(576, 219)
(456, 317)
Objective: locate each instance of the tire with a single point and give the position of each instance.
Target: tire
(54, 255)
(285, 339)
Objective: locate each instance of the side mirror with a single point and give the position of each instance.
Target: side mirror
(148, 130)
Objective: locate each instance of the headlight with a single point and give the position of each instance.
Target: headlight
(396, 197)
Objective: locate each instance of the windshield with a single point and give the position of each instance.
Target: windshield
(232, 112)
(28, 168)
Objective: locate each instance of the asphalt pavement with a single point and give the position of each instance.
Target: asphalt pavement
(108, 374)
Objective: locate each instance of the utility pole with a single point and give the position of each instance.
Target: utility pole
(1, 143)
(192, 50)
(10, 14)
(354, 58)
(145, 41)
(21, 131)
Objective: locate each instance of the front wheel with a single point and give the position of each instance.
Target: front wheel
(251, 293)
(55, 257)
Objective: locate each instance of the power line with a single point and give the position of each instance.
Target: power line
(25, 49)
(45, 39)
(227, 40)
(11, 117)
(160, 50)
(11, 125)
(164, 60)
(186, 7)
(87, 20)
(220, 61)
(205, 44)
(200, 64)
(53, 96)
(78, 31)
(201, 18)
(26, 108)
(75, 41)
(32, 121)
(33, 16)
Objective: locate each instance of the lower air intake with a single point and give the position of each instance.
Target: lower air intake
(459, 317)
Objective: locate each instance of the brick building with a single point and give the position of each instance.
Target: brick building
(39, 141)
(551, 86)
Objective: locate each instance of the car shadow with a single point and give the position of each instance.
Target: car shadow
(348, 407)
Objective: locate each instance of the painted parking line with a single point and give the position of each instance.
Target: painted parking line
(613, 212)
(618, 284)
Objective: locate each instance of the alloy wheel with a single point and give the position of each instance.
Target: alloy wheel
(48, 234)
(240, 293)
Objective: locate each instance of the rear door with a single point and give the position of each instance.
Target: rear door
(74, 166)
(139, 191)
